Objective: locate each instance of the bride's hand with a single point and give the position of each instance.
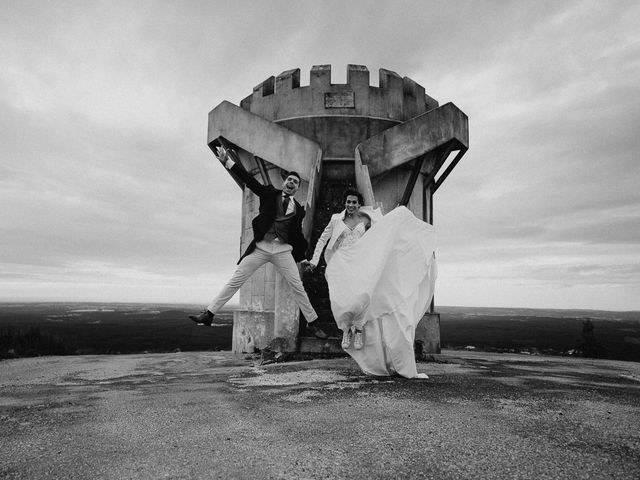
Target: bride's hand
(308, 266)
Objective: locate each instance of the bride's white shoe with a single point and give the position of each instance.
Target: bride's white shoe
(346, 338)
(358, 340)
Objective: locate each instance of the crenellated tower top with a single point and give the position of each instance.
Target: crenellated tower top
(396, 98)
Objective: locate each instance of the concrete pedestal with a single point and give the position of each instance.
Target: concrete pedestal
(252, 330)
(427, 340)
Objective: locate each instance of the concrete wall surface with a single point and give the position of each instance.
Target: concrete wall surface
(403, 143)
(263, 138)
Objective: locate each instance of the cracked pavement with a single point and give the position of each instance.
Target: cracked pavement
(214, 415)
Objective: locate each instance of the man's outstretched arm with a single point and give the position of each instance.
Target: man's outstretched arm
(255, 186)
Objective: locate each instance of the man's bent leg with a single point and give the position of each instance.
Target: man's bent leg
(287, 267)
(246, 268)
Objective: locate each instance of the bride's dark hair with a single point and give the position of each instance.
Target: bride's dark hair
(355, 193)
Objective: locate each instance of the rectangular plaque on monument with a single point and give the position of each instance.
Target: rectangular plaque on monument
(339, 100)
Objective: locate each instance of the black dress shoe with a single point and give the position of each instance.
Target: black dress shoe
(316, 330)
(205, 318)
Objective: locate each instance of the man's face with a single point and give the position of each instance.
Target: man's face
(351, 204)
(291, 185)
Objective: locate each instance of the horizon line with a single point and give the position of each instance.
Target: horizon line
(235, 306)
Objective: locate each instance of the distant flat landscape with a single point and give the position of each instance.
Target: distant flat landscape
(107, 328)
(616, 335)
(28, 329)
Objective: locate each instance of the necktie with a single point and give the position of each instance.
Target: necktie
(285, 203)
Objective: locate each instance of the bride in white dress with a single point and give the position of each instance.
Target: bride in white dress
(380, 283)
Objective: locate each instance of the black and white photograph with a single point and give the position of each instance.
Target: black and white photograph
(320, 239)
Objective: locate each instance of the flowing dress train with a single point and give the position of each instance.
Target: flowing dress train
(384, 282)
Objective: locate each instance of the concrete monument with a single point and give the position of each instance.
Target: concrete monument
(393, 142)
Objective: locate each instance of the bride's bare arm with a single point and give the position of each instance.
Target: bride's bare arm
(322, 241)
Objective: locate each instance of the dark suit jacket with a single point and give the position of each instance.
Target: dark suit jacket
(269, 198)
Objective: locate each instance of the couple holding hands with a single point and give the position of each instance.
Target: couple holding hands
(380, 271)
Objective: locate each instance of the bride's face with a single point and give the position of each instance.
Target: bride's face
(351, 204)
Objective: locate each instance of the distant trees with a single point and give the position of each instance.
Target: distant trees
(30, 342)
(588, 346)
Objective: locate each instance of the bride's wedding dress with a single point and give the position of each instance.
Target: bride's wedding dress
(384, 281)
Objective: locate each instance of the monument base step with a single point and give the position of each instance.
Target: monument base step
(315, 345)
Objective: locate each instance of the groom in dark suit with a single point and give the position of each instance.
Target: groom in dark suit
(277, 238)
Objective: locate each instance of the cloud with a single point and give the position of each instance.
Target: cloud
(108, 188)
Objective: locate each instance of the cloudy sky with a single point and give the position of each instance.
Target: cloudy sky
(108, 191)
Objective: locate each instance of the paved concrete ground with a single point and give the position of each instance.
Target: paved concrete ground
(208, 415)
